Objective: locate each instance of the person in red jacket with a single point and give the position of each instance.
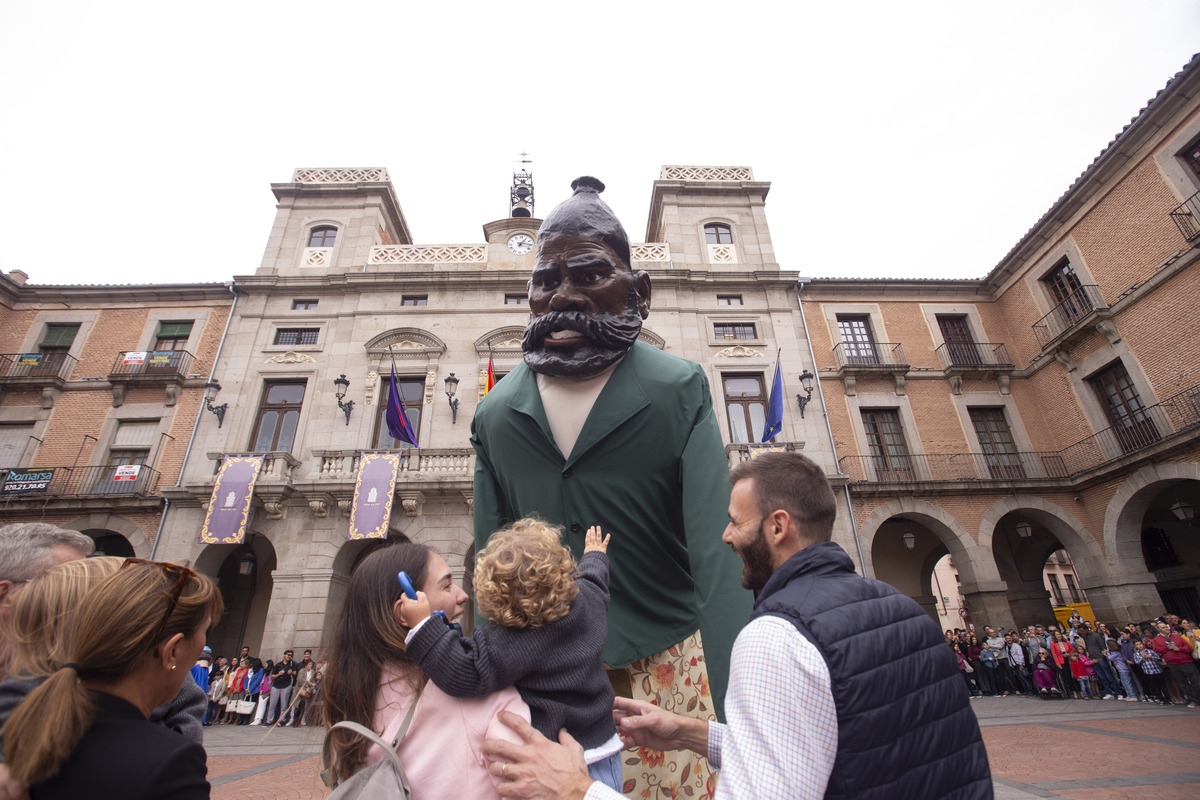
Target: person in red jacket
(1176, 653)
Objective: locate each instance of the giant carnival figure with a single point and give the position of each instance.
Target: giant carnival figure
(598, 428)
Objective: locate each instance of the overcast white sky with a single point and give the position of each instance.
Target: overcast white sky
(138, 140)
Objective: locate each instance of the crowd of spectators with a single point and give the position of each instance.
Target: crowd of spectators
(244, 690)
(1152, 662)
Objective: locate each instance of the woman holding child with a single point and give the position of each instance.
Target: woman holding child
(372, 680)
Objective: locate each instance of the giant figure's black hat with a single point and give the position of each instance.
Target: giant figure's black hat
(585, 214)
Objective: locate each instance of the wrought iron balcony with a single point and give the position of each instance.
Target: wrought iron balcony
(34, 483)
(882, 356)
(1070, 313)
(151, 364)
(975, 356)
(1187, 218)
(1177, 414)
(35, 368)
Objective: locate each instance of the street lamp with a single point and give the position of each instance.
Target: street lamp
(1024, 529)
(910, 540)
(451, 388)
(341, 384)
(210, 393)
(806, 381)
(1183, 510)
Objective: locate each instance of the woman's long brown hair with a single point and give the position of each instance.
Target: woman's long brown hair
(365, 638)
(110, 638)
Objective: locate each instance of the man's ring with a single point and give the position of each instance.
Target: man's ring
(504, 771)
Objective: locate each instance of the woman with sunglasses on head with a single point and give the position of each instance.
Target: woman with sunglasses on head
(85, 732)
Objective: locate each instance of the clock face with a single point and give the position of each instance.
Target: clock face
(520, 243)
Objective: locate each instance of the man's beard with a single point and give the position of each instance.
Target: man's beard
(756, 563)
(609, 336)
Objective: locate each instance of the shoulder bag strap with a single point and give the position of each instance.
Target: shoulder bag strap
(389, 750)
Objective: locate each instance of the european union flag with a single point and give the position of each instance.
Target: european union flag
(397, 421)
(774, 422)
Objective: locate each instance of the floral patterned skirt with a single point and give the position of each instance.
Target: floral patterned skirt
(675, 679)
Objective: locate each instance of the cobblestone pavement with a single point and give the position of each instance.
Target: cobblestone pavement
(1086, 750)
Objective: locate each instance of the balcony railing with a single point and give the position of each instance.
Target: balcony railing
(106, 481)
(54, 365)
(1069, 313)
(415, 463)
(885, 355)
(738, 452)
(974, 355)
(151, 363)
(1176, 414)
(1186, 218)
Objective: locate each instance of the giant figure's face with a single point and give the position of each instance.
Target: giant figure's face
(587, 307)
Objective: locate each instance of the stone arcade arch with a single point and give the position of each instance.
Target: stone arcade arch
(244, 574)
(112, 530)
(1021, 560)
(936, 533)
(1138, 508)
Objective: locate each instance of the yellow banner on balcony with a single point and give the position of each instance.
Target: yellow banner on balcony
(374, 489)
(229, 506)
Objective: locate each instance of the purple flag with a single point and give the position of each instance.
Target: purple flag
(397, 421)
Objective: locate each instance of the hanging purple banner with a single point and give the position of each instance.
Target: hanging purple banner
(373, 491)
(229, 507)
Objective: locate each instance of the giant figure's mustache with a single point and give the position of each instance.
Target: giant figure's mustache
(608, 331)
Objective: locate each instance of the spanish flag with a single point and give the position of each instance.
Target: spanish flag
(491, 378)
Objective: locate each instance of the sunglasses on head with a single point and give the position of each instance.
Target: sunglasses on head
(181, 574)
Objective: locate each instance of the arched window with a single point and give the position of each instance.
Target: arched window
(323, 236)
(717, 233)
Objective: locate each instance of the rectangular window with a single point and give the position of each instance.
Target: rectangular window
(735, 330)
(173, 335)
(1191, 157)
(15, 444)
(278, 416)
(999, 450)
(746, 403)
(960, 345)
(885, 439)
(412, 394)
(289, 336)
(414, 300)
(516, 300)
(59, 337)
(729, 300)
(1122, 404)
(858, 342)
(1072, 302)
(1055, 589)
(304, 305)
(1076, 595)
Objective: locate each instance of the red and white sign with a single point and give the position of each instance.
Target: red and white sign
(127, 472)
(135, 358)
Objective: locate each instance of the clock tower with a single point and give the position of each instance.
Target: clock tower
(512, 241)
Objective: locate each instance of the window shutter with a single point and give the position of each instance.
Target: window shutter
(60, 335)
(13, 440)
(136, 434)
(174, 330)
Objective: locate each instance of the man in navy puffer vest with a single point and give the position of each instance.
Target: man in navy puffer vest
(840, 686)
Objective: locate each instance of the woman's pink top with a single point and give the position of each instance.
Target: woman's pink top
(443, 749)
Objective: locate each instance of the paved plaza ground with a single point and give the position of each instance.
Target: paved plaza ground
(1086, 750)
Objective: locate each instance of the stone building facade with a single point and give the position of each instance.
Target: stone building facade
(1053, 404)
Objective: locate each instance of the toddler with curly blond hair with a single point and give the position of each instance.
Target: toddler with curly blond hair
(548, 622)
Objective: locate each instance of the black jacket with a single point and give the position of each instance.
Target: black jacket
(905, 726)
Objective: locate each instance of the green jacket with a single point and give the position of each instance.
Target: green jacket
(650, 468)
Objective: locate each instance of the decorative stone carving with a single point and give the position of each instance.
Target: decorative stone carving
(430, 381)
(956, 384)
(851, 385)
(652, 251)
(372, 383)
(274, 508)
(470, 498)
(49, 395)
(172, 395)
(722, 254)
(515, 342)
(118, 395)
(340, 175)
(898, 379)
(738, 351)
(291, 357)
(687, 173)
(1002, 382)
(344, 506)
(316, 257)
(428, 254)
(1063, 357)
(1109, 330)
(319, 506)
(412, 503)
